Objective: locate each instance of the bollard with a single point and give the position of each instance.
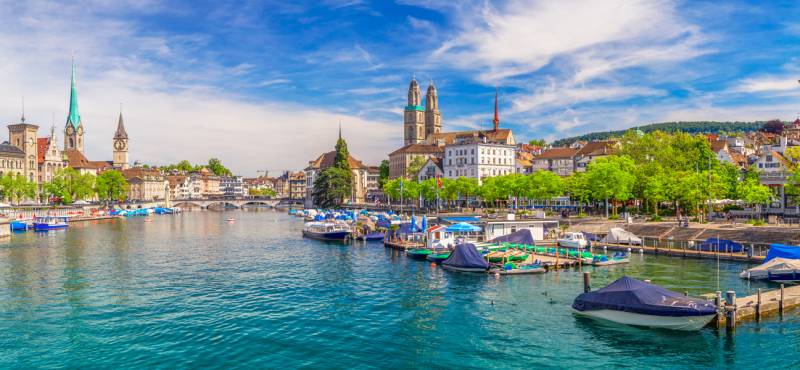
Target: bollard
(758, 305)
(586, 283)
(641, 251)
(730, 309)
(720, 311)
(647, 281)
(686, 293)
(780, 304)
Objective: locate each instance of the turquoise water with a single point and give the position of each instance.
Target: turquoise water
(193, 291)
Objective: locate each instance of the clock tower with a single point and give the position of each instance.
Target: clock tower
(121, 145)
(73, 132)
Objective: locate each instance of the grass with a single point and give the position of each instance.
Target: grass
(756, 222)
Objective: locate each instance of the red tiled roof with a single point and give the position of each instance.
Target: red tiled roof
(596, 148)
(419, 149)
(499, 135)
(42, 144)
(557, 153)
(326, 160)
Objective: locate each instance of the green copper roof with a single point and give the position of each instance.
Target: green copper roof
(415, 107)
(74, 117)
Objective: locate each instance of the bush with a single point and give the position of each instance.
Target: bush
(756, 222)
(655, 218)
(613, 217)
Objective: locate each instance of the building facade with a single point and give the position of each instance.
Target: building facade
(146, 184)
(297, 186)
(478, 159)
(120, 142)
(401, 159)
(232, 186)
(315, 167)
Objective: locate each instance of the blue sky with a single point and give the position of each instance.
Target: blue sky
(263, 85)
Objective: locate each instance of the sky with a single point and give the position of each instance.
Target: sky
(264, 85)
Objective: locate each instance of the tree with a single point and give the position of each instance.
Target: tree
(215, 166)
(415, 166)
(392, 188)
(16, 187)
(384, 173)
(611, 178)
(332, 187)
(545, 185)
(70, 185)
(111, 186)
(577, 186)
(537, 142)
(264, 192)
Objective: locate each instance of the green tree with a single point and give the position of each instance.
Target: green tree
(332, 187)
(384, 173)
(392, 188)
(537, 142)
(545, 185)
(215, 166)
(415, 166)
(70, 185)
(111, 186)
(611, 178)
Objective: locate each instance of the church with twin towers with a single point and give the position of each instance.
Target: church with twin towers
(419, 122)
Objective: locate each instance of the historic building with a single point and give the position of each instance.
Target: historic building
(232, 186)
(478, 158)
(315, 168)
(23, 136)
(120, 141)
(50, 159)
(11, 159)
(73, 131)
(297, 186)
(400, 159)
(146, 184)
(414, 116)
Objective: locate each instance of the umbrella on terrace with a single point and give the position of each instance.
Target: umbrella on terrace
(462, 227)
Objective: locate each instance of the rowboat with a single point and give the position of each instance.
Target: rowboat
(634, 302)
(419, 254)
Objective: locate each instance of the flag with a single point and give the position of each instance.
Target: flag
(439, 181)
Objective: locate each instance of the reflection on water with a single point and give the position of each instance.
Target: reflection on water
(194, 290)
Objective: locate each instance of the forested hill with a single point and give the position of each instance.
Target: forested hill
(690, 127)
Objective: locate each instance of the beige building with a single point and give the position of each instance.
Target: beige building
(146, 184)
(50, 159)
(11, 159)
(360, 175)
(205, 184)
(297, 185)
(557, 160)
(400, 159)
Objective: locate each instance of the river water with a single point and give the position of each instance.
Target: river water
(194, 291)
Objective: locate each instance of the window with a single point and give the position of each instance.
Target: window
(449, 173)
(473, 151)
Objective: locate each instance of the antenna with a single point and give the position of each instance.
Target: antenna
(23, 109)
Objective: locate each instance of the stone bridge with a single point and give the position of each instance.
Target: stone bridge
(238, 203)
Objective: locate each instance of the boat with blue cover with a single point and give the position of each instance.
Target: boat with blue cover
(19, 225)
(466, 258)
(374, 236)
(635, 302)
(45, 223)
(333, 231)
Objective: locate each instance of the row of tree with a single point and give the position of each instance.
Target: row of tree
(214, 165)
(66, 187)
(650, 170)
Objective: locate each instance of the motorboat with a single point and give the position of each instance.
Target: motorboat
(438, 257)
(634, 302)
(18, 225)
(50, 223)
(512, 269)
(419, 253)
(374, 236)
(784, 270)
(573, 240)
(466, 258)
(326, 230)
(616, 259)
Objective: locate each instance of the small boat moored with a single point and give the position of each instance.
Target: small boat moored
(418, 253)
(634, 302)
(45, 223)
(466, 258)
(781, 270)
(326, 230)
(573, 240)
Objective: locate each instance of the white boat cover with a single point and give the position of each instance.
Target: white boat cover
(620, 236)
(774, 265)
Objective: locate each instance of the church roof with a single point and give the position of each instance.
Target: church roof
(419, 148)
(11, 151)
(120, 134)
(326, 160)
(74, 117)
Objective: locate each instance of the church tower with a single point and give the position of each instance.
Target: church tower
(23, 136)
(73, 132)
(121, 145)
(433, 118)
(414, 115)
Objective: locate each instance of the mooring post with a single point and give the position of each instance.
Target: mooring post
(780, 304)
(758, 305)
(718, 303)
(730, 309)
(586, 283)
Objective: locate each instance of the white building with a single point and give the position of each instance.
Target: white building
(232, 186)
(478, 158)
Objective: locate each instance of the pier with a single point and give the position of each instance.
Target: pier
(734, 310)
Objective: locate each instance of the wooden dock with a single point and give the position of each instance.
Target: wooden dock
(764, 303)
(401, 244)
(686, 253)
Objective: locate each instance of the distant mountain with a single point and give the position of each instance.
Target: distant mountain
(704, 127)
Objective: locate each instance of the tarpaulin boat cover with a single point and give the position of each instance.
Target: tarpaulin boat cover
(591, 237)
(777, 264)
(722, 245)
(522, 236)
(785, 251)
(631, 295)
(466, 256)
(384, 223)
(620, 236)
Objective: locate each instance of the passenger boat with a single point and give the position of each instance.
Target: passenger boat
(783, 270)
(326, 230)
(466, 258)
(573, 240)
(50, 223)
(634, 302)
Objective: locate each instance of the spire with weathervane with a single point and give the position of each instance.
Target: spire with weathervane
(73, 132)
(496, 120)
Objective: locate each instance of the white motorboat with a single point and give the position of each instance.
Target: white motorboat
(777, 269)
(634, 302)
(573, 240)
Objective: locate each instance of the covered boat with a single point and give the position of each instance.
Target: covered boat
(522, 236)
(785, 251)
(326, 230)
(621, 236)
(466, 258)
(720, 245)
(778, 269)
(635, 302)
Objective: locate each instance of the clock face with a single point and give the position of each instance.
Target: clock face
(70, 130)
(80, 130)
(119, 144)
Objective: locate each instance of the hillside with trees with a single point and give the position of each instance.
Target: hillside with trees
(696, 127)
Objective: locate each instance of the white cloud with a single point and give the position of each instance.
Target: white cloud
(766, 84)
(276, 81)
(556, 96)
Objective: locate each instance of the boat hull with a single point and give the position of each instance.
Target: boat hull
(464, 269)
(525, 271)
(329, 236)
(418, 255)
(651, 321)
(45, 227)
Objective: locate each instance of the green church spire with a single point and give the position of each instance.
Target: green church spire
(74, 117)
